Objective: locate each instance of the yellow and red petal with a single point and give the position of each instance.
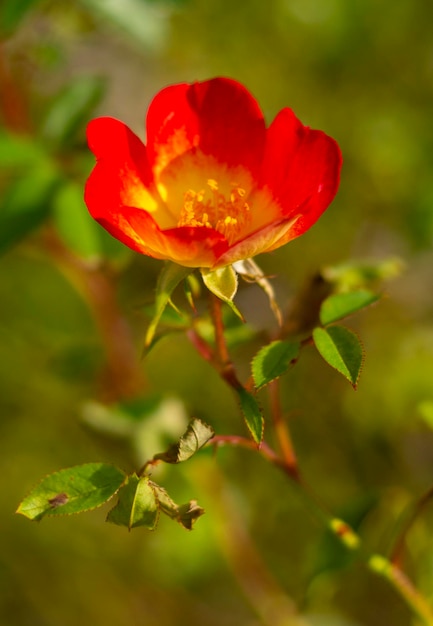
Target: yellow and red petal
(113, 143)
(171, 127)
(301, 169)
(212, 186)
(219, 117)
(261, 241)
(188, 246)
(122, 175)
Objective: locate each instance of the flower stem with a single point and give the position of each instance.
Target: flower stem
(221, 349)
(221, 358)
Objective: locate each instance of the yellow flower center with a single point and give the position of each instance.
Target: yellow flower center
(212, 209)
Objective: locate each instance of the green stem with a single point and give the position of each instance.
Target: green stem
(403, 586)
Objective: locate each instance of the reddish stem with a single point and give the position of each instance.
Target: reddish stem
(221, 351)
(220, 357)
(264, 450)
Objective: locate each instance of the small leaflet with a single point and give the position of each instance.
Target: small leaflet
(341, 349)
(273, 360)
(252, 414)
(195, 437)
(137, 505)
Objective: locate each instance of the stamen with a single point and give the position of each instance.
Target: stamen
(211, 209)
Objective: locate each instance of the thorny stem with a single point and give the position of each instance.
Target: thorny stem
(236, 440)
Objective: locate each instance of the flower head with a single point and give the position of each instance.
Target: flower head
(212, 185)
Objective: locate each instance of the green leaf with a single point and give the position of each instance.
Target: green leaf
(74, 224)
(137, 505)
(27, 203)
(223, 283)
(170, 277)
(252, 414)
(273, 360)
(341, 305)
(72, 108)
(185, 514)
(342, 349)
(73, 490)
(195, 437)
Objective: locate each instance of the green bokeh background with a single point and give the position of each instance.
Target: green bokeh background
(361, 71)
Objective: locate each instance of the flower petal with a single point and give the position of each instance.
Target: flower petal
(301, 168)
(122, 175)
(219, 117)
(111, 141)
(188, 246)
(261, 241)
(171, 127)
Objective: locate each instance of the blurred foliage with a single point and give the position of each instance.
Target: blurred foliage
(361, 71)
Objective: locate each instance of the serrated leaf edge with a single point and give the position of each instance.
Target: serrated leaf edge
(257, 355)
(58, 512)
(361, 344)
(262, 431)
(376, 298)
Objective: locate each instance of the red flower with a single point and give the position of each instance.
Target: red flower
(212, 185)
